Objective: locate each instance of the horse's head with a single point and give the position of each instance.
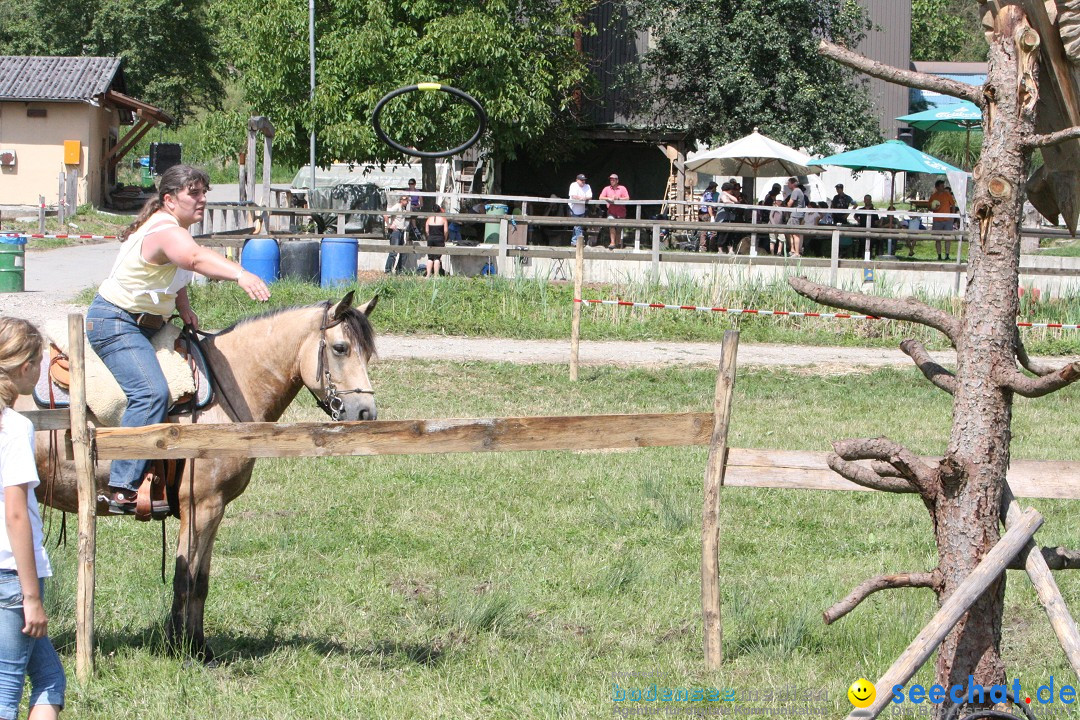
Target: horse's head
(333, 364)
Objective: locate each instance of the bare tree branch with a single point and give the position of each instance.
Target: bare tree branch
(908, 309)
(921, 476)
(1037, 387)
(862, 475)
(908, 78)
(931, 580)
(884, 469)
(1037, 141)
(935, 373)
(1026, 361)
(1057, 558)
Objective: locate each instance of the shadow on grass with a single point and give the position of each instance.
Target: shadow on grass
(230, 648)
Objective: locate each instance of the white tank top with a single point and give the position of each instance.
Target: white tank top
(139, 286)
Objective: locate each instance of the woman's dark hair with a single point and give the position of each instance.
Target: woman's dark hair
(172, 181)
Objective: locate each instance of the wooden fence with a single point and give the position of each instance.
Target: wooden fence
(734, 468)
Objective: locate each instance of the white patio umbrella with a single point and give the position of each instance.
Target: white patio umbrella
(753, 156)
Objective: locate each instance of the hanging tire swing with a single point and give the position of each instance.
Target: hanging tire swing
(478, 110)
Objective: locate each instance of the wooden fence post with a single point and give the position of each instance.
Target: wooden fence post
(1045, 586)
(87, 488)
(974, 585)
(656, 253)
(575, 323)
(710, 519)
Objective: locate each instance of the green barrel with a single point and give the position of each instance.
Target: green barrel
(12, 263)
(491, 230)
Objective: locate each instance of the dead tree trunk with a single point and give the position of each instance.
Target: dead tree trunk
(963, 494)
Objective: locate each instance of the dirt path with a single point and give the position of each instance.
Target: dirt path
(53, 277)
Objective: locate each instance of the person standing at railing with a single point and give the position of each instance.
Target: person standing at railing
(841, 201)
(707, 214)
(797, 201)
(435, 228)
(726, 240)
(942, 201)
(613, 193)
(580, 193)
(778, 241)
(397, 222)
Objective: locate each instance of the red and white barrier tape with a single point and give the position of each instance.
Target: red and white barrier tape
(60, 236)
(781, 313)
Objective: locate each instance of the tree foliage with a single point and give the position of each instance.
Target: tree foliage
(947, 31)
(724, 68)
(170, 56)
(516, 58)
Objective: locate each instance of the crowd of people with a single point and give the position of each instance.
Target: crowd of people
(721, 203)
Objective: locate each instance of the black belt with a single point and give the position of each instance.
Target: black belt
(149, 320)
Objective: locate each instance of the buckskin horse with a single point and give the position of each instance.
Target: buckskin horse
(259, 365)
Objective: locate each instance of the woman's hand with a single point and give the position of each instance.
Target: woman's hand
(188, 317)
(253, 285)
(37, 625)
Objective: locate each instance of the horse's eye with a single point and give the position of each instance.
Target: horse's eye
(341, 348)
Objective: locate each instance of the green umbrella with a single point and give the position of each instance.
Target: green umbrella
(957, 117)
(893, 156)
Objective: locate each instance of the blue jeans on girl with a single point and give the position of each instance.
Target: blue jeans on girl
(125, 349)
(22, 656)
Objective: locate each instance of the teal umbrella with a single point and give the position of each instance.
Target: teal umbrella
(957, 117)
(893, 156)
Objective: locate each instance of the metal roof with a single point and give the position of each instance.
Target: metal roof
(65, 79)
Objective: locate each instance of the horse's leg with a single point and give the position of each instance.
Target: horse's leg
(198, 528)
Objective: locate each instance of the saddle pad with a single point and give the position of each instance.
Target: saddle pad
(104, 396)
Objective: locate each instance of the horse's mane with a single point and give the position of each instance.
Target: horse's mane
(357, 326)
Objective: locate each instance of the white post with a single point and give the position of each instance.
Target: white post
(656, 253)
(637, 231)
(834, 258)
(503, 259)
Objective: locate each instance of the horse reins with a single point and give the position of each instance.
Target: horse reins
(331, 402)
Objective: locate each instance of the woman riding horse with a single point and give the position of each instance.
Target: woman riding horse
(148, 282)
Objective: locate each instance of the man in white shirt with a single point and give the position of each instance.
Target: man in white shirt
(396, 221)
(579, 194)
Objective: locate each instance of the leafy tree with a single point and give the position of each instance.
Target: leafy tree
(517, 58)
(947, 30)
(722, 69)
(170, 55)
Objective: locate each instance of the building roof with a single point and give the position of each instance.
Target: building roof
(63, 79)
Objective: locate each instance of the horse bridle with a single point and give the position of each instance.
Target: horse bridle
(331, 402)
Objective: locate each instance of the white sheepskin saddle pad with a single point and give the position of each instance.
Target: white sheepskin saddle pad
(104, 396)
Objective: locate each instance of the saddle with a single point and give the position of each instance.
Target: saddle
(104, 397)
(158, 495)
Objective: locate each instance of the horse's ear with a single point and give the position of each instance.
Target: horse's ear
(367, 307)
(337, 310)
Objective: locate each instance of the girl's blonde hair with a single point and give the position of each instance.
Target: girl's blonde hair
(20, 342)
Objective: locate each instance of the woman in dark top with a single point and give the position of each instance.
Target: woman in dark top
(436, 238)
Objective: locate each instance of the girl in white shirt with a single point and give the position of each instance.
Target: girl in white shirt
(25, 648)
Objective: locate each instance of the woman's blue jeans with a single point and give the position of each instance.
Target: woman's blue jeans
(125, 349)
(22, 656)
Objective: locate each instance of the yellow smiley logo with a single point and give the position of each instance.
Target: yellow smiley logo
(861, 693)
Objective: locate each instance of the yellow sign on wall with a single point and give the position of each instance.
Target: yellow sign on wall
(72, 152)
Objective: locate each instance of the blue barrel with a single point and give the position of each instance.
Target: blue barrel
(300, 260)
(262, 257)
(338, 259)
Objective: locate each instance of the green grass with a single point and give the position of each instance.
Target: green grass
(514, 585)
(524, 308)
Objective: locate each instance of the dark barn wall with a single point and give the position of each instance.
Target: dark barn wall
(641, 167)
